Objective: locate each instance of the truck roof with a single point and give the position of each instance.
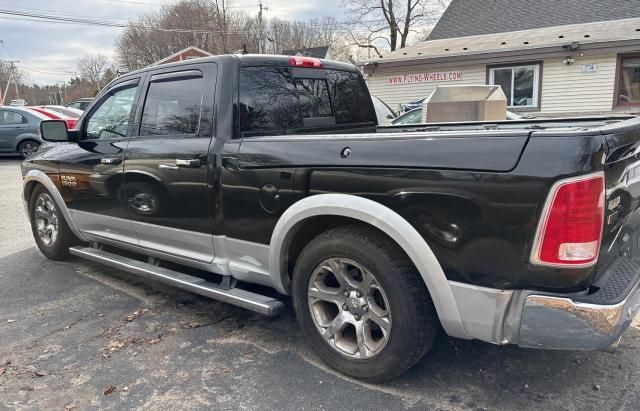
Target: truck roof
(248, 60)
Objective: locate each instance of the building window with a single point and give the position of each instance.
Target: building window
(628, 90)
(521, 84)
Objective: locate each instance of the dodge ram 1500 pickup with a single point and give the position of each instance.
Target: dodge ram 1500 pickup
(218, 173)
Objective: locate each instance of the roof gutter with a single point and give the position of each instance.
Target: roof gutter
(620, 46)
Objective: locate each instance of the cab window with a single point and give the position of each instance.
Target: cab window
(110, 119)
(285, 100)
(173, 107)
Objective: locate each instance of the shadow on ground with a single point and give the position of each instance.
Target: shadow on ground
(79, 334)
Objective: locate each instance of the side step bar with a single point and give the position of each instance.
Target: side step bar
(236, 296)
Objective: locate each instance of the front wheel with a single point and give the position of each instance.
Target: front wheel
(50, 230)
(362, 304)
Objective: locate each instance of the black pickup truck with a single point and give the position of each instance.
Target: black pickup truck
(227, 174)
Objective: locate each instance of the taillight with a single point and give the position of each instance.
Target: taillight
(71, 123)
(570, 228)
(298, 61)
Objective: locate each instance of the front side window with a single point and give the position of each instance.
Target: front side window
(111, 118)
(173, 107)
(282, 100)
(629, 81)
(11, 118)
(520, 84)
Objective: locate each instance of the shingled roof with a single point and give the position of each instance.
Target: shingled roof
(473, 17)
(522, 44)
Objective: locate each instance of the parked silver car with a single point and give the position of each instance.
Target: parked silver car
(19, 131)
(414, 116)
(80, 104)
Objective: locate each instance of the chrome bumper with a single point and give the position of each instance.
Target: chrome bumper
(563, 324)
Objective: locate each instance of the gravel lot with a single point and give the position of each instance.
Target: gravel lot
(78, 334)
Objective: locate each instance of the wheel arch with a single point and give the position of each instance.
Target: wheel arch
(344, 207)
(26, 137)
(36, 177)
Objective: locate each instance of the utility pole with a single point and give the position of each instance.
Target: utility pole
(12, 67)
(261, 27)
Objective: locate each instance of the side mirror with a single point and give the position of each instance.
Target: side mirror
(390, 116)
(54, 130)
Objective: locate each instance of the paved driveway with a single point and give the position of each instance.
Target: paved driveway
(78, 334)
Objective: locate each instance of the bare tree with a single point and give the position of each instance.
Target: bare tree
(391, 21)
(206, 24)
(213, 26)
(299, 35)
(92, 68)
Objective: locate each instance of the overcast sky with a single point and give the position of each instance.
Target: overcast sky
(48, 51)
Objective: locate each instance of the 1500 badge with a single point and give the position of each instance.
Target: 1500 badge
(68, 181)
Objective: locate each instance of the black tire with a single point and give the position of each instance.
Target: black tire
(27, 148)
(152, 199)
(414, 319)
(58, 249)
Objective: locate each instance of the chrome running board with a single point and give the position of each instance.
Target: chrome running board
(236, 296)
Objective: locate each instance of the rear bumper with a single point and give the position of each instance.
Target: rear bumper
(565, 324)
(533, 319)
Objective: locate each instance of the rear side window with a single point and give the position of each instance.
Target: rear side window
(283, 100)
(10, 117)
(173, 107)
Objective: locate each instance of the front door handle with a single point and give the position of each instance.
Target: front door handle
(110, 160)
(190, 163)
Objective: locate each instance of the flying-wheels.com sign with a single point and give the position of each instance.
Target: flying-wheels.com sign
(425, 77)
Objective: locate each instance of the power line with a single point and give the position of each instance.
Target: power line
(67, 14)
(141, 3)
(73, 20)
(70, 19)
(56, 73)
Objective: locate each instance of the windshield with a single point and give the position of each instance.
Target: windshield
(412, 117)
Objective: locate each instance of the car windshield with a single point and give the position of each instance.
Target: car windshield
(383, 111)
(411, 117)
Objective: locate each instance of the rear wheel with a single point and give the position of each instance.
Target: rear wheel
(27, 148)
(50, 230)
(362, 304)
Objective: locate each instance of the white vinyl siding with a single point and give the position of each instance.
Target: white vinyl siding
(396, 94)
(565, 89)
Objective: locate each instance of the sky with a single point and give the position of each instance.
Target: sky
(48, 51)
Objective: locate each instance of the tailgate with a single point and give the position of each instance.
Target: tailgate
(621, 235)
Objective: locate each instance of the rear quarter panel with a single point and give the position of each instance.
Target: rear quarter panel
(476, 200)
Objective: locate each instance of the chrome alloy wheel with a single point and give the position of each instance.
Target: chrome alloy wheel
(46, 219)
(349, 308)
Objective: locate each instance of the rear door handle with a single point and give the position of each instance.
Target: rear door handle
(110, 160)
(190, 163)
